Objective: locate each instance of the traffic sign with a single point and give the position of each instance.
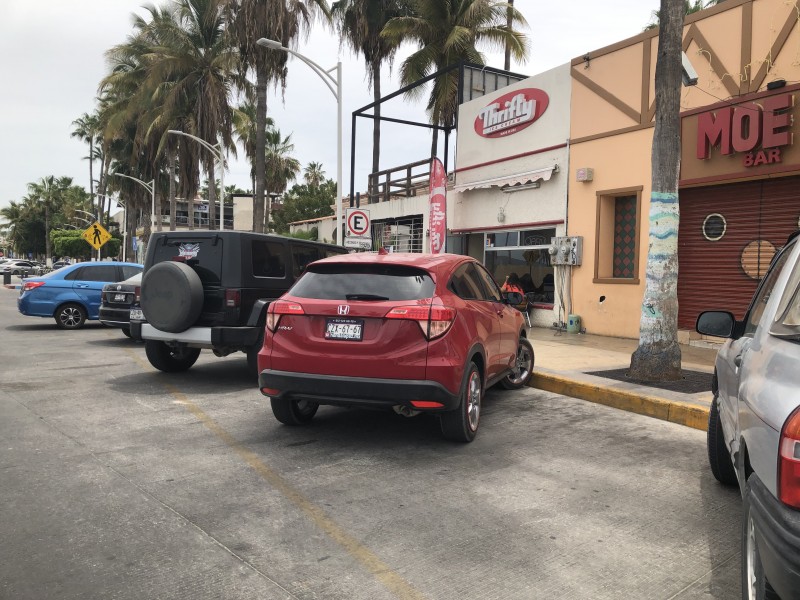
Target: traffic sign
(357, 222)
(96, 235)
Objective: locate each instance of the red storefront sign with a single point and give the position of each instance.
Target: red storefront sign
(438, 207)
(757, 129)
(511, 112)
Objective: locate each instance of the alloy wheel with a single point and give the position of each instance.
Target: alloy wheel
(522, 366)
(473, 401)
(750, 549)
(70, 317)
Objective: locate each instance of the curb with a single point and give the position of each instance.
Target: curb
(674, 411)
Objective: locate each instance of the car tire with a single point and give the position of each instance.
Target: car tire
(126, 331)
(293, 412)
(719, 459)
(252, 353)
(523, 370)
(461, 425)
(164, 358)
(755, 585)
(70, 316)
(171, 296)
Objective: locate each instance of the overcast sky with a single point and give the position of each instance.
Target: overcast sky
(53, 58)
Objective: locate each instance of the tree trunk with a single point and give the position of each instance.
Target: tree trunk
(261, 149)
(46, 233)
(658, 357)
(212, 194)
(99, 209)
(173, 204)
(435, 141)
(509, 24)
(376, 122)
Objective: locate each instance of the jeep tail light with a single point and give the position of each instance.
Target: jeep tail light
(137, 294)
(279, 308)
(433, 319)
(789, 461)
(31, 285)
(232, 298)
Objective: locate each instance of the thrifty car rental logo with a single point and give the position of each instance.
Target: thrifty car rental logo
(511, 113)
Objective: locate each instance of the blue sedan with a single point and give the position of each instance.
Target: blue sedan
(72, 294)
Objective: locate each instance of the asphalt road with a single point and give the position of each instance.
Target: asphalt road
(121, 482)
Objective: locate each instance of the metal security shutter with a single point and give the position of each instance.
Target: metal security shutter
(711, 274)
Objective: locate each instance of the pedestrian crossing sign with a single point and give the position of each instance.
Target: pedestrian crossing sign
(96, 235)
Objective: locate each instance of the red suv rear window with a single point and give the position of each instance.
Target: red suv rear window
(363, 282)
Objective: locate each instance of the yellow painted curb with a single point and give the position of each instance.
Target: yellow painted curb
(674, 411)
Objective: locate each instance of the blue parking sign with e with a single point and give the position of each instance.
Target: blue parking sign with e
(133, 242)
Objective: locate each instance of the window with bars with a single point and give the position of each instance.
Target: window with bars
(399, 235)
(618, 226)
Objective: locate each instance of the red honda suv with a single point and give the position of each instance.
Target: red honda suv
(412, 332)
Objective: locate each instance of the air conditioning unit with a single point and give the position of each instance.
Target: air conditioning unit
(567, 250)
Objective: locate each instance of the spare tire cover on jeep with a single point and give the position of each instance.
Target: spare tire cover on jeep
(172, 296)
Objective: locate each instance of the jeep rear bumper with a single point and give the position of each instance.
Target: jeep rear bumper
(199, 337)
(356, 391)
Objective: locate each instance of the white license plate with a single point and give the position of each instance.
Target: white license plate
(119, 297)
(344, 329)
(137, 314)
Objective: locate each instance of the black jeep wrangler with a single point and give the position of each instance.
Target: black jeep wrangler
(211, 289)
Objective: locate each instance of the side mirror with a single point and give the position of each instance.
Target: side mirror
(717, 323)
(514, 298)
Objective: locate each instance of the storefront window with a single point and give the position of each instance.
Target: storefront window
(530, 262)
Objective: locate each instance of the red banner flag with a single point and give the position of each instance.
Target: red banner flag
(438, 206)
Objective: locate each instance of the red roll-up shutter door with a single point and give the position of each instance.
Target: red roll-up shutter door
(710, 273)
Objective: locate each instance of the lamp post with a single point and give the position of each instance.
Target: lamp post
(335, 86)
(150, 187)
(216, 150)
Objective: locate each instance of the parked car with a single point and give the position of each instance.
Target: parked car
(117, 301)
(61, 263)
(21, 268)
(410, 332)
(754, 424)
(210, 290)
(72, 294)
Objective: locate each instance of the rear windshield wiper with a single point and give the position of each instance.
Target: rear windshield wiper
(365, 297)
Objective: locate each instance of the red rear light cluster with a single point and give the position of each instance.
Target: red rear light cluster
(137, 294)
(279, 308)
(433, 319)
(31, 285)
(232, 298)
(789, 461)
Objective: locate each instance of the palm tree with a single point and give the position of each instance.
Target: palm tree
(48, 193)
(87, 129)
(689, 8)
(658, 357)
(448, 32)
(281, 168)
(244, 126)
(283, 21)
(313, 174)
(360, 23)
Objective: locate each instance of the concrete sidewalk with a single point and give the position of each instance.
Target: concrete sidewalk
(563, 361)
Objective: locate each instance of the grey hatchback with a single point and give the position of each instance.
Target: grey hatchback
(754, 424)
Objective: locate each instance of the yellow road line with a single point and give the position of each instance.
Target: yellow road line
(382, 572)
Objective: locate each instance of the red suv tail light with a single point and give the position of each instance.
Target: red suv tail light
(281, 307)
(31, 285)
(433, 319)
(137, 294)
(789, 461)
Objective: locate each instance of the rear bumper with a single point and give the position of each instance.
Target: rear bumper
(115, 317)
(356, 391)
(199, 337)
(778, 539)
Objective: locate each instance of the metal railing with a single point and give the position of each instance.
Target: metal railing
(399, 182)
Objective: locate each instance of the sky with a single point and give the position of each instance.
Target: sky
(54, 57)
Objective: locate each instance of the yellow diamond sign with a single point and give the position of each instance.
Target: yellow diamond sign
(96, 235)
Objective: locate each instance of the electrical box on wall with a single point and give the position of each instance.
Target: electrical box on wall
(567, 250)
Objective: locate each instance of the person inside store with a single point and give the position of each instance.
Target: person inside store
(512, 284)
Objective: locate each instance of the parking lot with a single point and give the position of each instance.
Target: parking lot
(119, 481)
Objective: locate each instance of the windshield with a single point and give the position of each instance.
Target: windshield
(363, 282)
(787, 317)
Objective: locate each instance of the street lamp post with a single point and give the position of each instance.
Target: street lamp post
(150, 187)
(216, 150)
(335, 86)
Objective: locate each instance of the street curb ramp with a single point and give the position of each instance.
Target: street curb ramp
(674, 411)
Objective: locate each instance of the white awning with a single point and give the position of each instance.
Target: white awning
(509, 180)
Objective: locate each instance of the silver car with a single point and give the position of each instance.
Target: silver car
(20, 267)
(754, 425)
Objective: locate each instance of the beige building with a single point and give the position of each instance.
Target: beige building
(739, 188)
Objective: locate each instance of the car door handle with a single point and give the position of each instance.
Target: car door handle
(80, 285)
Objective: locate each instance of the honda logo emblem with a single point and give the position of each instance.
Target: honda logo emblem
(344, 309)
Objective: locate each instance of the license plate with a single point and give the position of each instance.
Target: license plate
(137, 314)
(119, 297)
(344, 329)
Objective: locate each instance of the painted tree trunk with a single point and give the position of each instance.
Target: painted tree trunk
(658, 357)
(262, 77)
(376, 122)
